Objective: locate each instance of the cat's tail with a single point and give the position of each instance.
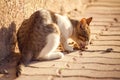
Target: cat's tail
(18, 69)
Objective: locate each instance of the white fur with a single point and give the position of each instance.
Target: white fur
(48, 52)
(46, 14)
(53, 39)
(66, 30)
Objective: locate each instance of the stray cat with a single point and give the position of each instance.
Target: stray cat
(40, 35)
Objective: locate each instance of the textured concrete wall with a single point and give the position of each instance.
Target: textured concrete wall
(17, 10)
(11, 14)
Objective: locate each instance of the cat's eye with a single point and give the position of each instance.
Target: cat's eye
(81, 27)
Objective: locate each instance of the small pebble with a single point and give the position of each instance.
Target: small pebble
(109, 50)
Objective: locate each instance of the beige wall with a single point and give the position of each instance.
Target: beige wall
(17, 10)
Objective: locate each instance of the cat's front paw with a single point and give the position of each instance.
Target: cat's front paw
(60, 55)
(69, 48)
(51, 56)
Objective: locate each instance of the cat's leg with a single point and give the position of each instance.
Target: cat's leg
(48, 52)
(26, 58)
(65, 45)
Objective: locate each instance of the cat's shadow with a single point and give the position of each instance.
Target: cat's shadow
(8, 61)
(38, 61)
(106, 51)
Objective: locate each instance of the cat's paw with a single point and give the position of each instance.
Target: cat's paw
(56, 55)
(69, 48)
(52, 56)
(60, 55)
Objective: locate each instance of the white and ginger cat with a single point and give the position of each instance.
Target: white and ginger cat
(40, 35)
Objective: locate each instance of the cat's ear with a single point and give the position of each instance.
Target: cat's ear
(82, 23)
(88, 20)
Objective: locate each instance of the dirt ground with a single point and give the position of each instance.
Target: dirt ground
(101, 61)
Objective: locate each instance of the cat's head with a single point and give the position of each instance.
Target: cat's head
(83, 32)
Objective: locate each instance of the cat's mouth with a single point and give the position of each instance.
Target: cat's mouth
(81, 46)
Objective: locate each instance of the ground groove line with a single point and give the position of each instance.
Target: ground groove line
(110, 35)
(98, 63)
(102, 51)
(78, 69)
(75, 62)
(118, 45)
(106, 40)
(93, 57)
(87, 63)
(63, 76)
(100, 57)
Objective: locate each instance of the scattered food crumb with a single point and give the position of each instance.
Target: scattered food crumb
(80, 54)
(67, 65)
(53, 65)
(106, 29)
(83, 66)
(74, 59)
(59, 71)
(111, 24)
(71, 43)
(76, 47)
(82, 46)
(86, 47)
(50, 78)
(91, 42)
(101, 33)
(75, 9)
(115, 19)
(96, 37)
(82, 49)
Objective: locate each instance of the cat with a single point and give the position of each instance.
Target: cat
(40, 35)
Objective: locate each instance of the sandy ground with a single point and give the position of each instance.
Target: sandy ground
(101, 61)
